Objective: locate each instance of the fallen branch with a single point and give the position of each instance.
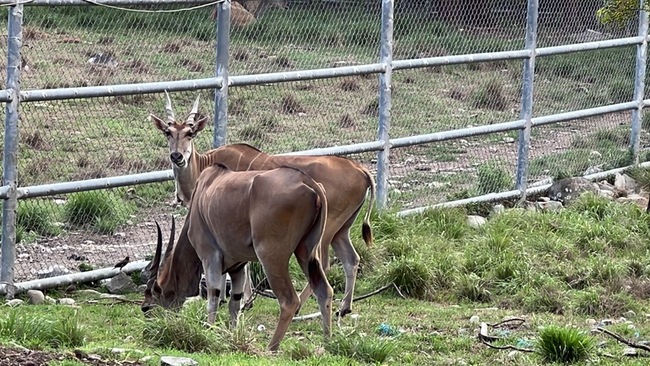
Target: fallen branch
(115, 301)
(520, 320)
(623, 340)
(359, 298)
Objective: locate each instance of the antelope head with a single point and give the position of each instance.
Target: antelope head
(169, 287)
(180, 134)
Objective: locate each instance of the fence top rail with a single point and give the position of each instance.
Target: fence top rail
(118, 90)
(105, 2)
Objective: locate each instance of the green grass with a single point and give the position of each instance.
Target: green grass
(37, 216)
(97, 209)
(554, 269)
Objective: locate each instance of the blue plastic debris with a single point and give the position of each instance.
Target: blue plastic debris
(386, 330)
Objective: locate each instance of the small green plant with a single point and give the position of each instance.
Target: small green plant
(564, 344)
(473, 288)
(490, 95)
(492, 178)
(411, 276)
(179, 331)
(620, 91)
(36, 216)
(363, 349)
(102, 210)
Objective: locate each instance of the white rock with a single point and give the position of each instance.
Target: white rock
(476, 221)
(50, 300)
(177, 361)
(261, 328)
(15, 302)
(66, 301)
(36, 297)
(474, 319)
(497, 209)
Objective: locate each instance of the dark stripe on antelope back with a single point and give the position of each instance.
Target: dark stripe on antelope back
(237, 297)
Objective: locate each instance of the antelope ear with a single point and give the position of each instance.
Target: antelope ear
(200, 124)
(159, 123)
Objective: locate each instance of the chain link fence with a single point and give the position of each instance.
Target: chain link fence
(74, 46)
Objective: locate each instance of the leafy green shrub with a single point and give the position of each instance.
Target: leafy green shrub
(492, 178)
(36, 216)
(102, 210)
(564, 344)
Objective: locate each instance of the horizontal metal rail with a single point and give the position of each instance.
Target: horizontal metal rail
(332, 72)
(456, 134)
(116, 90)
(492, 197)
(588, 46)
(342, 150)
(105, 2)
(584, 113)
(4, 192)
(460, 59)
(6, 96)
(78, 277)
(91, 184)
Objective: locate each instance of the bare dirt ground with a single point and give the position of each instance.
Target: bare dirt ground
(24, 357)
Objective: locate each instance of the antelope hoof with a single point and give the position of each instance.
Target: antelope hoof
(343, 312)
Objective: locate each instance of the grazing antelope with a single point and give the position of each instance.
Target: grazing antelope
(346, 184)
(238, 217)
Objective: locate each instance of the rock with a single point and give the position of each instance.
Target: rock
(593, 170)
(53, 271)
(549, 206)
(142, 288)
(606, 193)
(636, 199)
(144, 274)
(121, 284)
(50, 300)
(36, 297)
(543, 199)
(513, 354)
(630, 314)
(591, 322)
(624, 183)
(90, 292)
(509, 140)
(474, 319)
(476, 221)
(177, 361)
(497, 209)
(146, 359)
(66, 301)
(15, 302)
(565, 190)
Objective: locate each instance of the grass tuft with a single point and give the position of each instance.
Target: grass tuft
(363, 349)
(291, 105)
(37, 216)
(99, 209)
(490, 95)
(564, 344)
(39, 332)
(180, 331)
(411, 276)
(493, 178)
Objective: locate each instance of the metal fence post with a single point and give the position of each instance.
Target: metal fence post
(527, 97)
(221, 95)
(386, 58)
(639, 84)
(8, 249)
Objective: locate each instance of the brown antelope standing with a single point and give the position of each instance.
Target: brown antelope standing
(238, 217)
(346, 184)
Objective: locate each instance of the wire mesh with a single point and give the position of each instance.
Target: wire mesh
(427, 174)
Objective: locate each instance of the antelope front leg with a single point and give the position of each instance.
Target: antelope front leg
(213, 275)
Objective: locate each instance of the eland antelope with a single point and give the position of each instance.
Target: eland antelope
(238, 217)
(346, 184)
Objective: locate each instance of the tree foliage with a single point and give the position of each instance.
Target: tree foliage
(619, 12)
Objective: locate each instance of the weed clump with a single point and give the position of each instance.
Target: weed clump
(36, 216)
(290, 105)
(37, 332)
(411, 276)
(350, 84)
(103, 211)
(363, 349)
(180, 331)
(490, 95)
(492, 178)
(564, 344)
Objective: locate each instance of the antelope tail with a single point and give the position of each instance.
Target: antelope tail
(366, 231)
